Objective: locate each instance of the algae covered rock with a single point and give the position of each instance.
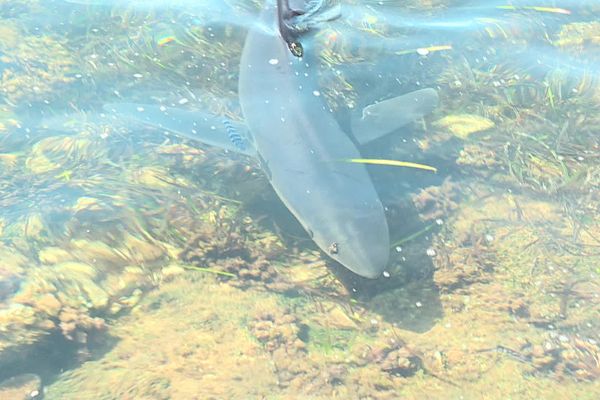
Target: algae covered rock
(464, 125)
(55, 152)
(54, 255)
(575, 36)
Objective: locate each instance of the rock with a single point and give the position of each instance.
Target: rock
(338, 319)
(463, 125)
(171, 271)
(95, 252)
(140, 251)
(48, 304)
(54, 255)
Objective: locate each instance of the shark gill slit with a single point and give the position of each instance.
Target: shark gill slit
(234, 136)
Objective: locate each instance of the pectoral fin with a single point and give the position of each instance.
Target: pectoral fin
(195, 125)
(381, 118)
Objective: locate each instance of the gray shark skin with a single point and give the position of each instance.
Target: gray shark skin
(290, 129)
(303, 151)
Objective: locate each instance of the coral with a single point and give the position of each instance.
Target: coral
(494, 263)
(67, 297)
(476, 157)
(565, 356)
(277, 332)
(437, 201)
(395, 360)
(198, 344)
(224, 243)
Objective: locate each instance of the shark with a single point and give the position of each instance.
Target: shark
(295, 136)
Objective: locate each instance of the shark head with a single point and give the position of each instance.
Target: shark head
(357, 238)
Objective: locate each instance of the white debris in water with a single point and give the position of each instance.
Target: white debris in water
(162, 108)
(374, 321)
(489, 238)
(563, 338)
(422, 51)
(273, 61)
(183, 101)
(140, 109)
(430, 252)
(439, 221)
(316, 93)
(419, 304)
(398, 249)
(386, 274)
(138, 76)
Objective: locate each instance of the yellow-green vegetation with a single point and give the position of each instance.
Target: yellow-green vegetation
(463, 125)
(52, 153)
(542, 137)
(7, 119)
(578, 36)
(41, 65)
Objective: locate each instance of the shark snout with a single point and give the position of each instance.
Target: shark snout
(367, 259)
(364, 249)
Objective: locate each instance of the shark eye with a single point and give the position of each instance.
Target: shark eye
(296, 48)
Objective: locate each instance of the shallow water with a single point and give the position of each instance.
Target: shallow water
(139, 263)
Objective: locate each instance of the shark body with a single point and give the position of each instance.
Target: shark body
(304, 147)
(300, 145)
